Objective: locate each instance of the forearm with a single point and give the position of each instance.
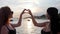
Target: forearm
(34, 21)
(41, 24)
(37, 24)
(20, 20)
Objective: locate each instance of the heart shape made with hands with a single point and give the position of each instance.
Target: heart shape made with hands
(26, 11)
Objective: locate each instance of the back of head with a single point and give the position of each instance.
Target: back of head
(54, 19)
(52, 11)
(4, 15)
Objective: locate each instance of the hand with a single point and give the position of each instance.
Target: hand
(26, 11)
(23, 11)
(30, 12)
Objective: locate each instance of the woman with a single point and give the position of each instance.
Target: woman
(49, 26)
(54, 20)
(5, 16)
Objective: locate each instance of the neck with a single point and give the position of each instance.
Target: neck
(8, 22)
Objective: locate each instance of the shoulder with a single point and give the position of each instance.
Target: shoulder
(4, 28)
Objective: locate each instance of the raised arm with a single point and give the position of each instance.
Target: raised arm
(20, 20)
(34, 21)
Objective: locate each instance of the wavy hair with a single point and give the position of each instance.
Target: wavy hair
(54, 19)
(4, 15)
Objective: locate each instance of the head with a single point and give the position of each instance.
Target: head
(6, 14)
(52, 13)
(11, 14)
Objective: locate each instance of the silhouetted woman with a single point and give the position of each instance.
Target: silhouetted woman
(52, 25)
(5, 15)
(54, 20)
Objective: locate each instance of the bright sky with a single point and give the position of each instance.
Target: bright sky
(38, 7)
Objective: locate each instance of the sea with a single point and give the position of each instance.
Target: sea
(27, 26)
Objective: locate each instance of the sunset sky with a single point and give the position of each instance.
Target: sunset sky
(37, 7)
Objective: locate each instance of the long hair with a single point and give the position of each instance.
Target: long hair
(54, 19)
(4, 16)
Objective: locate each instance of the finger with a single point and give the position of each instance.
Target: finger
(24, 9)
(29, 10)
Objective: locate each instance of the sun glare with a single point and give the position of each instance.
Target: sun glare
(30, 6)
(29, 24)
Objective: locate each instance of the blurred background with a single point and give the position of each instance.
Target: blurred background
(37, 7)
